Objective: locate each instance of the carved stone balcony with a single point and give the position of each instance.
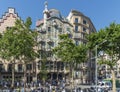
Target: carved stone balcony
(41, 40)
(49, 40)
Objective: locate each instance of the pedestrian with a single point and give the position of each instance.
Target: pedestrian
(63, 90)
(42, 90)
(79, 89)
(17, 83)
(99, 90)
(53, 90)
(39, 85)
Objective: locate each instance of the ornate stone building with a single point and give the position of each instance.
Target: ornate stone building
(77, 25)
(49, 28)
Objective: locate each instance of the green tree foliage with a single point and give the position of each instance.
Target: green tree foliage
(17, 43)
(68, 52)
(43, 71)
(80, 54)
(111, 47)
(65, 49)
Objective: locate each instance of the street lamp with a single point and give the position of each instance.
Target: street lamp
(96, 63)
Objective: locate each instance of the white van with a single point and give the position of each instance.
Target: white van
(105, 85)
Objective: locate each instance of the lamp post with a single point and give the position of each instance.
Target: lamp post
(96, 63)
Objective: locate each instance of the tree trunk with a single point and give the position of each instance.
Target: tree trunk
(113, 81)
(13, 75)
(71, 76)
(25, 77)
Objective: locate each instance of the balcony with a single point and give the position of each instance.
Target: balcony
(49, 58)
(29, 71)
(41, 40)
(19, 70)
(48, 49)
(49, 40)
(77, 35)
(42, 31)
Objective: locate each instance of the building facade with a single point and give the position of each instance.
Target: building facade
(105, 71)
(49, 28)
(82, 26)
(8, 20)
(77, 25)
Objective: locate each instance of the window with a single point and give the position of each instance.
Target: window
(20, 68)
(29, 66)
(84, 43)
(55, 34)
(68, 29)
(83, 35)
(43, 46)
(49, 29)
(76, 28)
(9, 67)
(8, 28)
(76, 20)
(84, 22)
(62, 66)
(49, 46)
(1, 67)
(69, 35)
(49, 54)
(47, 65)
(84, 29)
(60, 30)
(51, 65)
(76, 43)
(39, 65)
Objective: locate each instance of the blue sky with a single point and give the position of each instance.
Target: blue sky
(101, 12)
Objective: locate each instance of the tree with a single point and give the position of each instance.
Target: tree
(68, 52)
(17, 43)
(111, 47)
(43, 71)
